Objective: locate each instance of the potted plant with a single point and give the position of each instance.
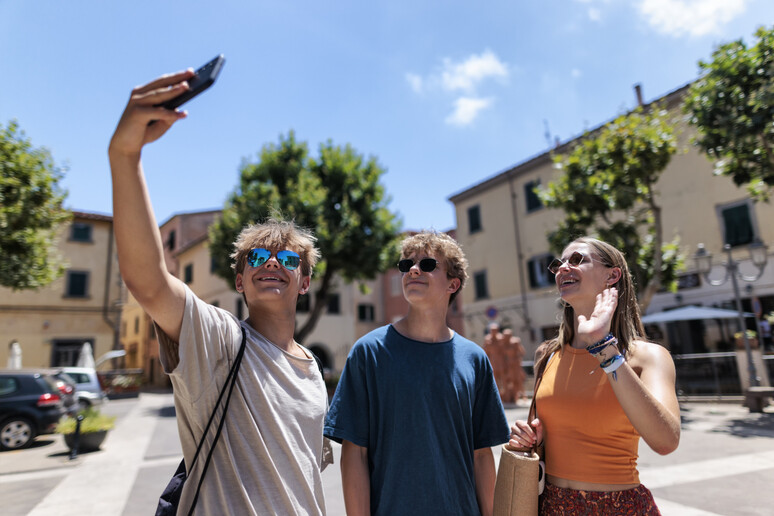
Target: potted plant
(752, 336)
(94, 427)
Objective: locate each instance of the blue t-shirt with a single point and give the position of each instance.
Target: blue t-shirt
(421, 409)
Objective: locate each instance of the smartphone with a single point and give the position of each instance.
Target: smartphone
(204, 78)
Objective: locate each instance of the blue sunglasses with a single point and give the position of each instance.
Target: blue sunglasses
(259, 256)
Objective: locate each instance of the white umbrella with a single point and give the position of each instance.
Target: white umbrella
(86, 357)
(14, 356)
(692, 313)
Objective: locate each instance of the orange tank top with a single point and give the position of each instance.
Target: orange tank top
(588, 437)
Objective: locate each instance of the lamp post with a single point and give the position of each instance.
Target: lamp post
(759, 258)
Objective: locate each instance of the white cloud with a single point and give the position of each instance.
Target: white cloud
(466, 109)
(415, 81)
(691, 17)
(466, 75)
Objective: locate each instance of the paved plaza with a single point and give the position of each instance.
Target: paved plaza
(724, 465)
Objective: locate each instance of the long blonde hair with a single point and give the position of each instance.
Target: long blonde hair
(626, 325)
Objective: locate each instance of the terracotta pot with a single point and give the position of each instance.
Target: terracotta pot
(753, 342)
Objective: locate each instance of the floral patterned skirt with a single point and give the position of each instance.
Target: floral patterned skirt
(559, 501)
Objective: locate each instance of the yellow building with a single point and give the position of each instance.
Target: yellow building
(52, 324)
(502, 227)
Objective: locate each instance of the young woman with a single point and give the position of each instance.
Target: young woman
(603, 386)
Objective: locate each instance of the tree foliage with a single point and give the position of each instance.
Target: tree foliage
(338, 195)
(607, 190)
(732, 107)
(31, 212)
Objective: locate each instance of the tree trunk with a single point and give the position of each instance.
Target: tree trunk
(658, 256)
(317, 307)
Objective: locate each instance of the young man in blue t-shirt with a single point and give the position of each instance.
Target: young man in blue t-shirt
(417, 409)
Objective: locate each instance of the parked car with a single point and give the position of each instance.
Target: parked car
(67, 388)
(88, 390)
(30, 405)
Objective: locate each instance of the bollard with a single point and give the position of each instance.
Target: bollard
(77, 438)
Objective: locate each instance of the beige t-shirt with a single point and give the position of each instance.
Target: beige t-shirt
(268, 457)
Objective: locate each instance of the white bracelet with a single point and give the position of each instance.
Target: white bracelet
(617, 362)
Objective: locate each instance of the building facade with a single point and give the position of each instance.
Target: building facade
(83, 306)
(503, 228)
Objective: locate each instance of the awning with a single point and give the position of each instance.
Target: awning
(692, 313)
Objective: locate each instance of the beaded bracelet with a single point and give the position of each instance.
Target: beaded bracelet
(598, 347)
(611, 365)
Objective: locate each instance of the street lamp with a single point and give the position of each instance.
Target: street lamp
(759, 258)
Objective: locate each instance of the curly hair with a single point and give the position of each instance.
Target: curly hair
(439, 244)
(276, 234)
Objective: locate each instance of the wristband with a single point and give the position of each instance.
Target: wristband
(612, 365)
(598, 347)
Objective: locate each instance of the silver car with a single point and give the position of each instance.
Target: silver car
(88, 388)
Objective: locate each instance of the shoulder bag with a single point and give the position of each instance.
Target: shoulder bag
(521, 473)
(170, 498)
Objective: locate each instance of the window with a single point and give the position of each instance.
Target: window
(302, 304)
(533, 201)
(539, 275)
(80, 232)
(151, 330)
(171, 239)
(479, 281)
(474, 219)
(136, 325)
(213, 264)
(188, 273)
(334, 304)
(77, 284)
(365, 312)
(737, 224)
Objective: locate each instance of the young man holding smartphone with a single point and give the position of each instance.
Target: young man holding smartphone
(269, 455)
(417, 409)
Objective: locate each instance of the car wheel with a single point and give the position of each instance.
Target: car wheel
(16, 433)
(83, 404)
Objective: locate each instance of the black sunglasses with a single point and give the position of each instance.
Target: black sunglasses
(574, 260)
(425, 264)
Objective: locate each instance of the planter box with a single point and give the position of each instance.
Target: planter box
(90, 441)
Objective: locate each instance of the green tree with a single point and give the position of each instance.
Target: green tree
(732, 107)
(31, 212)
(607, 189)
(338, 195)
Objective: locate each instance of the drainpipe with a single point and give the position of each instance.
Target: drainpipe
(520, 261)
(114, 325)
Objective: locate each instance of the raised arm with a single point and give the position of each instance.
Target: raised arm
(140, 251)
(644, 385)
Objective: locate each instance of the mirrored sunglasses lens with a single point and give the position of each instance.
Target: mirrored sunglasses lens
(405, 265)
(258, 257)
(427, 264)
(289, 259)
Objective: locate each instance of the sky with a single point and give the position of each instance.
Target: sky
(443, 94)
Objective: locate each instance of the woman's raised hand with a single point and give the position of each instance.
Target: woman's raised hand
(597, 326)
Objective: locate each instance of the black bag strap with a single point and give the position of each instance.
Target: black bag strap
(230, 382)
